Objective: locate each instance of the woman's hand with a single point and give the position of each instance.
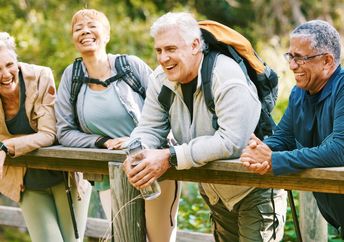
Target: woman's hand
(2, 161)
(116, 144)
(10, 146)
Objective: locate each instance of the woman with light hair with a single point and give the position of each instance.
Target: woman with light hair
(106, 113)
(27, 122)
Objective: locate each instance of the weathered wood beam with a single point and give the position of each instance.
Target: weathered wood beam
(222, 171)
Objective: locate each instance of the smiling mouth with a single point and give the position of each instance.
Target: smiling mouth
(6, 83)
(87, 41)
(299, 74)
(170, 67)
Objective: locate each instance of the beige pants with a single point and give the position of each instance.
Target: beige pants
(161, 213)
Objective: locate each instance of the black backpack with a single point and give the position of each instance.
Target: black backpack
(220, 39)
(124, 73)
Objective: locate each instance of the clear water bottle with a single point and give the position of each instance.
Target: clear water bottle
(152, 191)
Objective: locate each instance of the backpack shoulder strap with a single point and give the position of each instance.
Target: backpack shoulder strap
(123, 68)
(165, 98)
(238, 59)
(77, 76)
(207, 75)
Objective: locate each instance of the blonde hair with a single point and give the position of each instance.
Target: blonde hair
(92, 14)
(7, 42)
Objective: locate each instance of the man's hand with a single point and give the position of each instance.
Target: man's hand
(256, 156)
(146, 166)
(116, 144)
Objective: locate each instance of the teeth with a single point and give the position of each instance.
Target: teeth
(298, 74)
(170, 67)
(87, 41)
(6, 82)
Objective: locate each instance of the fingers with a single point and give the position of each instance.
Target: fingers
(255, 166)
(116, 144)
(252, 144)
(140, 177)
(246, 161)
(260, 168)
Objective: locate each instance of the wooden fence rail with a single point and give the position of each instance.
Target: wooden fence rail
(95, 161)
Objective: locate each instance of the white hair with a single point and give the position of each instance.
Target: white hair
(183, 22)
(323, 36)
(7, 42)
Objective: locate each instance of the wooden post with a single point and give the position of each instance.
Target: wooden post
(313, 225)
(128, 217)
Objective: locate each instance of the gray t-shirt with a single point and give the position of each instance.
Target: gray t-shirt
(114, 121)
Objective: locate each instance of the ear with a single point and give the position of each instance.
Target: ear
(196, 46)
(107, 38)
(329, 61)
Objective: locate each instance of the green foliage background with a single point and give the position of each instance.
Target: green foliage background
(42, 32)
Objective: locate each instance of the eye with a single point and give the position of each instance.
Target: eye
(77, 29)
(158, 51)
(10, 64)
(171, 49)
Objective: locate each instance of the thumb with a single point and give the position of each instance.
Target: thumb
(256, 139)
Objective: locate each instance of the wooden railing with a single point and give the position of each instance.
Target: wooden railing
(95, 161)
(222, 172)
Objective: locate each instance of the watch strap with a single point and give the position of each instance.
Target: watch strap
(3, 147)
(173, 157)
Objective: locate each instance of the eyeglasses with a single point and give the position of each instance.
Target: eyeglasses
(300, 60)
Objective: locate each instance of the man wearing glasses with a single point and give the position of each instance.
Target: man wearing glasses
(311, 132)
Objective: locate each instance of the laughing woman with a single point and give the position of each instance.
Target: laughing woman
(107, 115)
(27, 122)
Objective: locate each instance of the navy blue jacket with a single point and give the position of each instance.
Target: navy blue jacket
(311, 134)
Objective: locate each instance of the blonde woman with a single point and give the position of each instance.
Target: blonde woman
(107, 114)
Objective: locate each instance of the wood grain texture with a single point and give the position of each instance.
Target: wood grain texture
(127, 207)
(222, 171)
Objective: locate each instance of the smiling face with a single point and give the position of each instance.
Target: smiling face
(179, 60)
(312, 75)
(90, 35)
(8, 72)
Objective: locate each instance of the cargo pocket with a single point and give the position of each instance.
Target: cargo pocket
(269, 222)
(272, 223)
(214, 227)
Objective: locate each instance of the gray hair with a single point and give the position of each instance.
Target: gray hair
(182, 21)
(323, 36)
(7, 42)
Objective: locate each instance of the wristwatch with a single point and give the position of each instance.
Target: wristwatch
(173, 157)
(3, 147)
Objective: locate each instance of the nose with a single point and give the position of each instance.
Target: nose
(293, 65)
(85, 31)
(5, 74)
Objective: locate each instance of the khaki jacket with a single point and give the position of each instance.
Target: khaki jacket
(39, 104)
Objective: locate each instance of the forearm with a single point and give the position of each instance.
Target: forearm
(325, 155)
